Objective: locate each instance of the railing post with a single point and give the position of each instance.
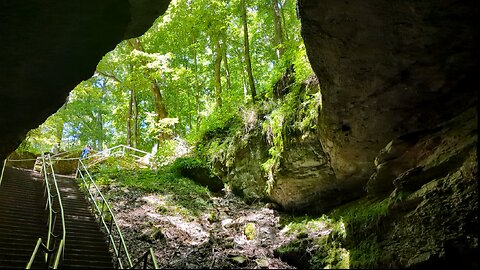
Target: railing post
(3, 169)
(145, 260)
(110, 231)
(119, 254)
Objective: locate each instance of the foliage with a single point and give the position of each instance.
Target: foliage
(219, 123)
(187, 163)
(171, 149)
(117, 105)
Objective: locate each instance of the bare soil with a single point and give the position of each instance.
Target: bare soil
(212, 239)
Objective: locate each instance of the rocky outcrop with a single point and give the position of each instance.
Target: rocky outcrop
(399, 120)
(199, 172)
(47, 48)
(387, 69)
(398, 125)
(438, 220)
(238, 160)
(304, 178)
(414, 159)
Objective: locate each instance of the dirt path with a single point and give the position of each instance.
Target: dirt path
(213, 239)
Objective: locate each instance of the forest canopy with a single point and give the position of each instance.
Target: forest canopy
(197, 66)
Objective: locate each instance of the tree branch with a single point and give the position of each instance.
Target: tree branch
(113, 77)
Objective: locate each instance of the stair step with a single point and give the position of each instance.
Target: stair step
(23, 219)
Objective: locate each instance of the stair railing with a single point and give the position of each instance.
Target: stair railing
(50, 248)
(119, 150)
(103, 211)
(3, 170)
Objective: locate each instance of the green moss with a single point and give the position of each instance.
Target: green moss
(363, 221)
(330, 255)
(295, 246)
(365, 254)
(363, 211)
(323, 238)
(250, 231)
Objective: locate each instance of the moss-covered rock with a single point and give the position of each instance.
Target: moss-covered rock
(199, 172)
(21, 159)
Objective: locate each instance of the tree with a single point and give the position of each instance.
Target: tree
(277, 21)
(247, 49)
(202, 58)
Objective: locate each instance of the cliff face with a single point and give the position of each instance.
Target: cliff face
(47, 48)
(398, 124)
(386, 69)
(399, 121)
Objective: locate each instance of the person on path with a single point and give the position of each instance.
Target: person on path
(85, 151)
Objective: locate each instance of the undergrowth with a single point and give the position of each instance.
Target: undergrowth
(182, 194)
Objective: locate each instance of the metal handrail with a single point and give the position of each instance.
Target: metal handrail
(34, 253)
(119, 150)
(48, 248)
(102, 215)
(61, 246)
(123, 148)
(113, 223)
(3, 170)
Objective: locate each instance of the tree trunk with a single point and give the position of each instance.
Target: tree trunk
(242, 67)
(218, 82)
(247, 50)
(135, 119)
(160, 108)
(101, 138)
(197, 86)
(225, 63)
(277, 21)
(282, 13)
(59, 137)
(129, 120)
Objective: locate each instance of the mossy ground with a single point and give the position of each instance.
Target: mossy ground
(344, 238)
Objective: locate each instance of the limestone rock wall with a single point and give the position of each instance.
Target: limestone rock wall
(48, 47)
(400, 121)
(385, 69)
(304, 181)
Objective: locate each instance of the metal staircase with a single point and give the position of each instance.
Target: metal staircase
(24, 241)
(47, 222)
(86, 245)
(22, 218)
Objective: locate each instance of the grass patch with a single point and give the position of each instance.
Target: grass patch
(184, 195)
